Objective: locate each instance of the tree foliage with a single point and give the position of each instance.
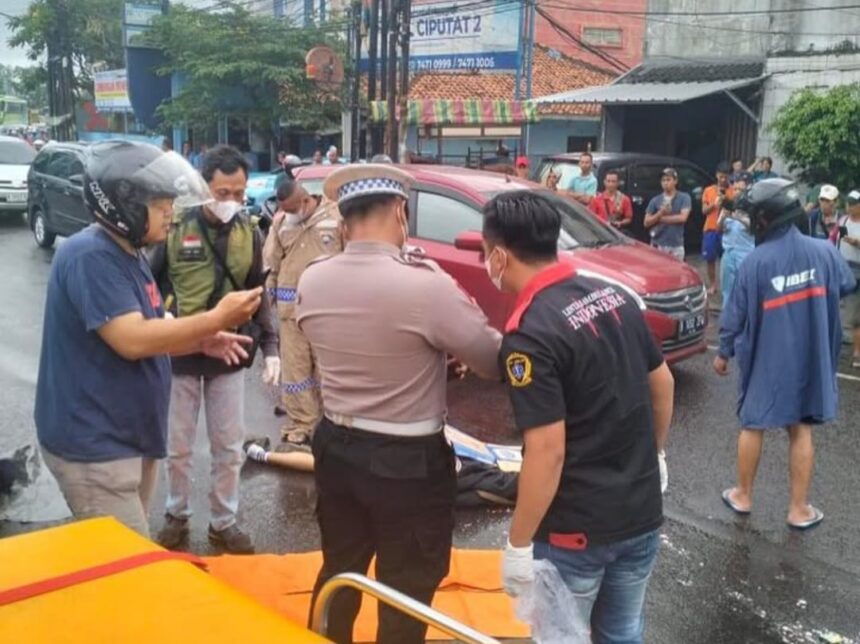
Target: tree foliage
(239, 65)
(29, 83)
(83, 32)
(818, 133)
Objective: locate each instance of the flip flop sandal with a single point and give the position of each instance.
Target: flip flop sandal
(727, 499)
(816, 518)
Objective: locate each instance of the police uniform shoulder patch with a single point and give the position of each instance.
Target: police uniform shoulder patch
(519, 369)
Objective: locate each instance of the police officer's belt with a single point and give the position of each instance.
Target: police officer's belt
(417, 428)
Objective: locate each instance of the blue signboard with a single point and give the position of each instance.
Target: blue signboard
(447, 36)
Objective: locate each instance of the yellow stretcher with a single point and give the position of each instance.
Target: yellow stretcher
(96, 581)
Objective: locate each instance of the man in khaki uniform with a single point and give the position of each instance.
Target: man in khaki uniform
(381, 326)
(305, 228)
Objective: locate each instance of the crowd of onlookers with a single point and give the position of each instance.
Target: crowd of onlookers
(726, 239)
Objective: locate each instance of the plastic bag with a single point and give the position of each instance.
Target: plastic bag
(551, 610)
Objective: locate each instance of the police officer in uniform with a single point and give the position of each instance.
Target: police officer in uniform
(381, 326)
(593, 397)
(305, 228)
(782, 324)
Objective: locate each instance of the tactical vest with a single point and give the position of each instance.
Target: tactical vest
(191, 266)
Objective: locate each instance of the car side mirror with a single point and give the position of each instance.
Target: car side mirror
(77, 180)
(469, 240)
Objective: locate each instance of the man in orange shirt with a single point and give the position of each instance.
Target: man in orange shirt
(612, 205)
(712, 202)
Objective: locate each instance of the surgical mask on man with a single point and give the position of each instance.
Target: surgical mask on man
(224, 211)
(404, 233)
(497, 281)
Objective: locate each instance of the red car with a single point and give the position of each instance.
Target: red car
(445, 222)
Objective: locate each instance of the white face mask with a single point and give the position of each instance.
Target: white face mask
(404, 232)
(497, 281)
(224, 210)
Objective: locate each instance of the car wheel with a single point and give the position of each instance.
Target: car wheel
(44, 237)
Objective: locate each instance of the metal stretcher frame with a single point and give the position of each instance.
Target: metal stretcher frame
(395, 599)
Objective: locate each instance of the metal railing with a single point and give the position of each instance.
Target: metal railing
(395, 599)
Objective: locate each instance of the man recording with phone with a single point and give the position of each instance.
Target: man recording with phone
(213, 250)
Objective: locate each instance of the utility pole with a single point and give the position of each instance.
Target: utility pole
(60, 74)
(530, 45)
(356, 82)
(393, 31)
(372, 53)
(404, 77)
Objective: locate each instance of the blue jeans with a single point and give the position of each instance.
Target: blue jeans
(732, 260)
(609, 583)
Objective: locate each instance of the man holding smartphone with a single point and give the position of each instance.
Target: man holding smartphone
(104, 373)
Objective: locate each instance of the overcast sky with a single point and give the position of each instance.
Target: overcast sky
(18, 56)
(8, 55)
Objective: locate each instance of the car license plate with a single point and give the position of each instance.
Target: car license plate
(691, 325)
(14, 197)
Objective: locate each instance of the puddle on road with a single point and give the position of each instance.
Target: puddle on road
(740, 593)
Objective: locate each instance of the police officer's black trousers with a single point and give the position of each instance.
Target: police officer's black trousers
(389, 497)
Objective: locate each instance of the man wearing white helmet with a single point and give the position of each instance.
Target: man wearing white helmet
(104, 373)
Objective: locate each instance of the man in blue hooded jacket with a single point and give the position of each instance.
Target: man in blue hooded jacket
(782, 325)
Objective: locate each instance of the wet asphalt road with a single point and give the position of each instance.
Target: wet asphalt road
(718, 579)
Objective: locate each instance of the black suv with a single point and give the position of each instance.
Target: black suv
(639, 178)
(56, 193)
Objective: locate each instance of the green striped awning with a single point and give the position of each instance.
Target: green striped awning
(466, 111)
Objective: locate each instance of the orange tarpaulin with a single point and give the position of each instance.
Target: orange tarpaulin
(471, 593)
(99, 582)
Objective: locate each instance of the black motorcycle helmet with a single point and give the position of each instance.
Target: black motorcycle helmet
(771, 204)
(122, 177)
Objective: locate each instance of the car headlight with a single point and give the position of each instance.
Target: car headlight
(599, 276)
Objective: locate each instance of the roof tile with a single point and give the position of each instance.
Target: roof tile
(674, 70)
(553, 73)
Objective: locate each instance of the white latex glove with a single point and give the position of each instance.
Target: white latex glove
(272, 371)
(664, 471)
(518, 571)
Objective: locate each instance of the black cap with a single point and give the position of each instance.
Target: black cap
(669, 172)
(724, 168)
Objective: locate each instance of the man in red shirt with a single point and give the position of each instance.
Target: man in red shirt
(612, 205)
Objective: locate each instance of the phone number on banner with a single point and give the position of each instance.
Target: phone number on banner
(451, 63)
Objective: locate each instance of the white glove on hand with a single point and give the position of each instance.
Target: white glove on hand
(664, 471)
(272, 371)
(518, 571)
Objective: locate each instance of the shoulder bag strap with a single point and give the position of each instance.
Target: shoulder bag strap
(218, 258)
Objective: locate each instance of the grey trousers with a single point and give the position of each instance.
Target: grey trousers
(223, 398)
(120, 488)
